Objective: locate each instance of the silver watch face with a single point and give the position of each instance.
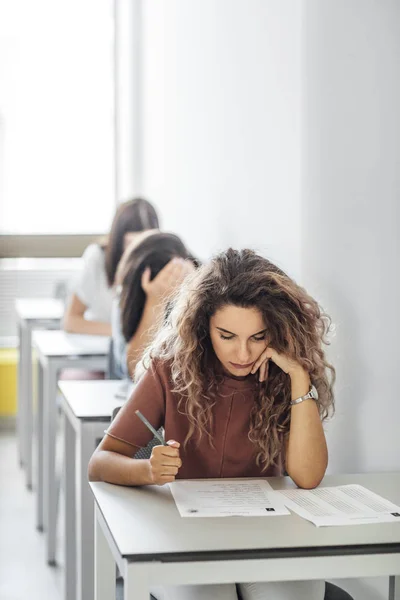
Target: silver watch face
(314, 392)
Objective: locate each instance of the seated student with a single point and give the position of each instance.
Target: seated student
(228, 377)
(150, 271)
(89, 308)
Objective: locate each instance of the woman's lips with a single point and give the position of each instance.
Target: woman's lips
(238, 366)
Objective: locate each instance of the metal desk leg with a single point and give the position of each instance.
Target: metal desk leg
(21, 394)
(28, 406)
(136, 586)
(394, 587)
(70, 589)
(49, 455)
(39, 450)
(105, 572)
(86, 444)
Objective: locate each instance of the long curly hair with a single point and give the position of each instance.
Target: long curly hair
(296, 326)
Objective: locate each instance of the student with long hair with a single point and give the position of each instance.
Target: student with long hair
(89, 308)
(238, 378)
(150, 271)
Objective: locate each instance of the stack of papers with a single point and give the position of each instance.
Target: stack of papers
(325, 506)
(219, 498)
(341, 505)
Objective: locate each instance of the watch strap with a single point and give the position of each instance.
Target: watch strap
(309, 396)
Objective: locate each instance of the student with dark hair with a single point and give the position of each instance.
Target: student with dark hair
(89, 308)
(151, 270)
(238, 378)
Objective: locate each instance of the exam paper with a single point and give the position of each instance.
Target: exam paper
(341, 505)
(219, 498)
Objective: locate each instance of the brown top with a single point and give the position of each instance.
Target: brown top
(233, 454)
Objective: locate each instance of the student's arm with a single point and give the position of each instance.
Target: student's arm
(306, 451)
(113, 462)
(156, 292)
(75, 322)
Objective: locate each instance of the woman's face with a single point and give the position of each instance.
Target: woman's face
(238, 336)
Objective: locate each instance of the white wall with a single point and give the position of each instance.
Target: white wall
(242, 98)
(351, 225)
(221, 122)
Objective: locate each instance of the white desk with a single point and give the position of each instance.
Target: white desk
(141, 530)
(32, 313)
(57, 350)
(87, 408)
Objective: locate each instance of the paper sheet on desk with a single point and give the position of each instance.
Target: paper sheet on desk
(341, 505)
(216, 498)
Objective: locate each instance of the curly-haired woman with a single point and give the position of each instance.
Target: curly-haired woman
(238, 378)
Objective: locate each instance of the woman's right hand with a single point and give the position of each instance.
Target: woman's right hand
(167, 280)
(165, 463)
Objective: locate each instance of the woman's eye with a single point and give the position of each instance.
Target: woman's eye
(225, 337)
(259, 339)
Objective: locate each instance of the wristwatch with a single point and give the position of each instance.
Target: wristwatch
(312, 394)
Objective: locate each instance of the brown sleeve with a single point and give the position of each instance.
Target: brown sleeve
(148, 397)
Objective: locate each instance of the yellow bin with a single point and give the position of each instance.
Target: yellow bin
(8, 381)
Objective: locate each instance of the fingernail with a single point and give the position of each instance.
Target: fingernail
(173, 443)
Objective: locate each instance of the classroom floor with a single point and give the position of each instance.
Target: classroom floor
(24, 573)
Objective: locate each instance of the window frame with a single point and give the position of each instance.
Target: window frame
(47, 246)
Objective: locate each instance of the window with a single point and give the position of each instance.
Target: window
(56, 116)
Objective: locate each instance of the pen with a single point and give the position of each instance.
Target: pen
(150, 426)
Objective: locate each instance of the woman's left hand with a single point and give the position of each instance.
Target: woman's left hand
(285, 363)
